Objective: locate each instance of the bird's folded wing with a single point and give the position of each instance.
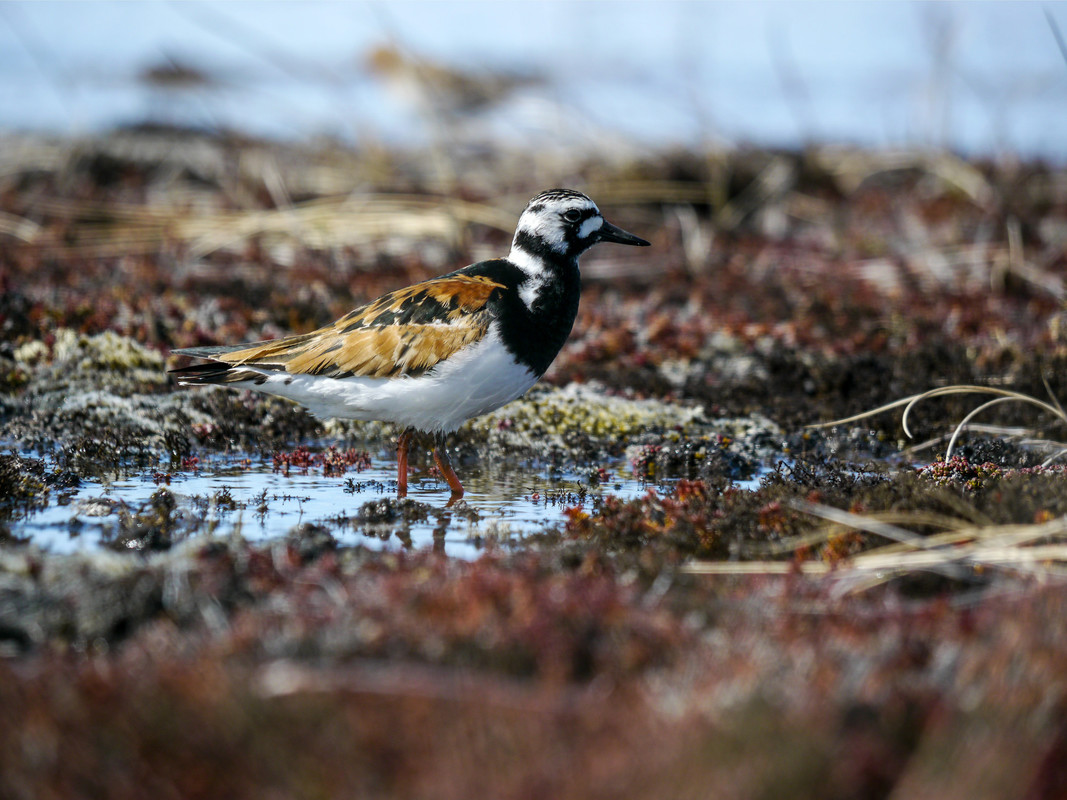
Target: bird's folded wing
(405, 332)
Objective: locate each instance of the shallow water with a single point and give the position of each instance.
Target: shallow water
(246, 496)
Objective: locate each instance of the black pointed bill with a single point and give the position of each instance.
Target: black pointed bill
(610, 233)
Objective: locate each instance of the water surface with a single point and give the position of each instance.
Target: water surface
(246, 496)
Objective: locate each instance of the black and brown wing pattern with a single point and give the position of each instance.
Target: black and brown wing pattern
(405, 332)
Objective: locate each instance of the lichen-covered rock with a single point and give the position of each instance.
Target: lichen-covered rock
(73, 357)
(101, 404)
(548, 411)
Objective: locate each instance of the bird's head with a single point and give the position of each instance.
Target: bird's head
(561, 223)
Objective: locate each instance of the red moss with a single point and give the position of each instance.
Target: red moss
(334, 462)
(313, 686)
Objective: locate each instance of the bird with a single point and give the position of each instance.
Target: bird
(440, 90)
(430, 356)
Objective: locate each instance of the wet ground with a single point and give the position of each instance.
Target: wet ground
(661, 582)
(254, 499)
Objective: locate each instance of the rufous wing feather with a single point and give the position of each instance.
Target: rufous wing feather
(406, 332)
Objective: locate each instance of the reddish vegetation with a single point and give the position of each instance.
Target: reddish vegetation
(398, 676)
(334, 462)
(591, 664)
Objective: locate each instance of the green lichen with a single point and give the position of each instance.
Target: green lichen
(552, 411)
(579, 420)
(105, 352)
(548, 416)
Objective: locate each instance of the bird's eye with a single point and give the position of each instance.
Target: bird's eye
(573, 215)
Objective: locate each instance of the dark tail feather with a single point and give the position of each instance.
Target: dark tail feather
(216, 372)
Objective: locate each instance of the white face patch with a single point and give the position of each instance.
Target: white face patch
(548, 231)
(589, 226)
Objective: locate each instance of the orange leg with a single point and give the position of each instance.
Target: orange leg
(440, 455)
(402, 442)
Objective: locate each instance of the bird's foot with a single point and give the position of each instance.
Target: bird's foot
(440, 456)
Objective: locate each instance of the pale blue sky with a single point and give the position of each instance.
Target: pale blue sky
(975, 76)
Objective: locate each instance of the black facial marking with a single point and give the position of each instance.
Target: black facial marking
(534, 244)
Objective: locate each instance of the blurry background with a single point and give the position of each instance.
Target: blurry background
(979, 78)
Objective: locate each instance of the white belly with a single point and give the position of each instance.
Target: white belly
(476, 380)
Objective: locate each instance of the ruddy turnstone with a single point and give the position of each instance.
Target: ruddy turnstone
(433, 355)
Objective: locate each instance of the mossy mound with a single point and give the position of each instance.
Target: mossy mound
(98, 399)
(556, 412)
(73, 358)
